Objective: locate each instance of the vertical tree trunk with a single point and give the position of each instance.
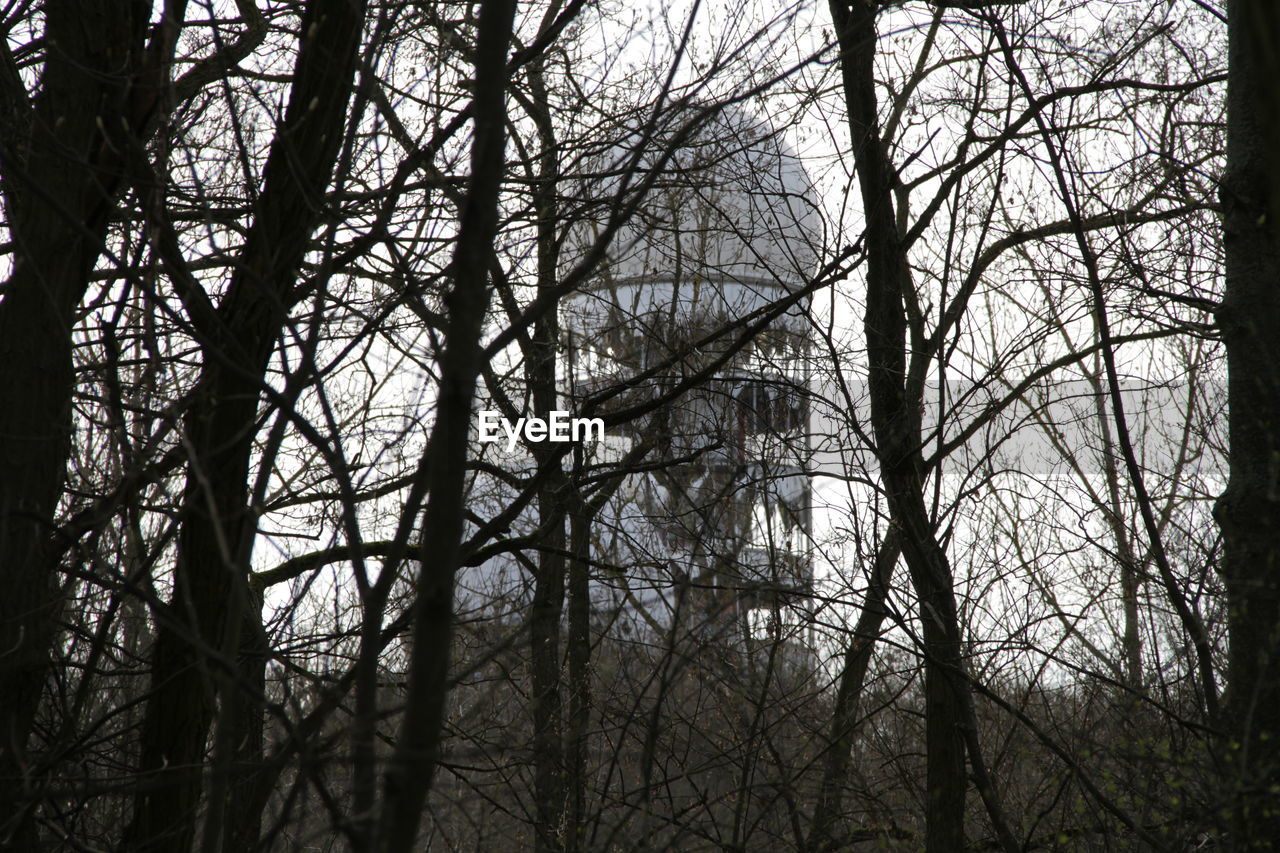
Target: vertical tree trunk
(1249, 509)
(844, 717)
(60, 180)
(546, 699)
(1130, 577)
(211, 598)
(410, 771)
(246, 735)
(548, 597)
(896, 424)
(578, 650)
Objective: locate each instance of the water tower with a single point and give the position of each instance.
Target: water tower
(727, 233)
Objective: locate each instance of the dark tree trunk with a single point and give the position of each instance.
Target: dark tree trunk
(578, 651)
(546, 699)
(61, 175)
(213, 616)
(547, 608)
(411, 768)
(246, 736)
(1249, 509)
(824, 835)
(895, 415)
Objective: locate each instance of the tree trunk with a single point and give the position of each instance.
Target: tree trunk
(60, 181)
(412, 766)
(895, 416)
(547, 608)
(546, 698)
(844, 718)
(204, 624)
(578, 643)
(1249, 509)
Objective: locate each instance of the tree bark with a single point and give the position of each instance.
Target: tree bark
(844, 718)
(1249, 510)
(546, 699)
(212, 618)
(578, 643)
(412, 766)
(547, 607)
(895, 416)
(61, 175)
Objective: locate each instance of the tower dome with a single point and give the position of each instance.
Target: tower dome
(719, 221)
(731, 204)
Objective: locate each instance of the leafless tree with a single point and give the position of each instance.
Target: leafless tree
(265, 260)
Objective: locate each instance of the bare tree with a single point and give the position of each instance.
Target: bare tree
(898, 536)
(913, 317)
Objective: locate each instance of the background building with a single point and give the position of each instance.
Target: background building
(698, 311)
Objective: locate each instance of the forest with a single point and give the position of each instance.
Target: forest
(927, 360)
